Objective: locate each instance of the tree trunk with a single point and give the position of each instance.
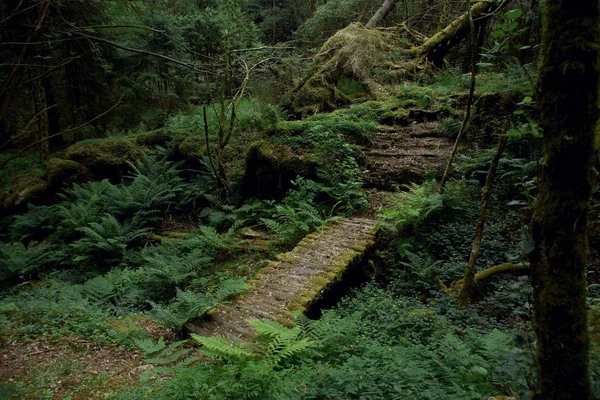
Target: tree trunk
(469, 279)
(568, 82)
(435, 49)
(379, 16)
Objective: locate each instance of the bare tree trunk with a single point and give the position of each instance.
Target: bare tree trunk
(463, 125)
(568, 83)
(469, 279)
(379, 16)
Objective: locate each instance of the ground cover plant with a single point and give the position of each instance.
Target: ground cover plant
(179, 179)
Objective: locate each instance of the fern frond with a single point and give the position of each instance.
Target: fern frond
(218, 347)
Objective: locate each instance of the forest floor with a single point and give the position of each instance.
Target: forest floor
(75, 367)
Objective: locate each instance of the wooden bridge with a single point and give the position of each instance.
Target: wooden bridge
(295, 280)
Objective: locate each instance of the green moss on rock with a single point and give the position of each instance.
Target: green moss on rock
(158, 137)
(22, 190)
(106, 158)
(61, 172)
(270, 168)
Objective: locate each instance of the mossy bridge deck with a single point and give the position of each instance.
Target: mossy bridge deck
(295, 280)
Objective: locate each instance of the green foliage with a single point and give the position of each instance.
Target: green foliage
(19, 260)
(189, 305)
(375, 346)
(334, 15)
(105, 242)
(411, 208)
(421, 273)
(295, 216)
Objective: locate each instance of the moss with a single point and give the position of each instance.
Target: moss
(61, 172)
(270, 169)
(158, 137)
(22, 190)
(107, 158)
(316, 95)
(363, 57)
(193, 149)
(289, 128)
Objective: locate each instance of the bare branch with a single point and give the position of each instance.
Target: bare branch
(20, 153)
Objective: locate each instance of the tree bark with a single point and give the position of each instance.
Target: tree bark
(469, 278)
(568, 82)
(382, 12)
(435, 49)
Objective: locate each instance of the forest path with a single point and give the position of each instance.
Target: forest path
(397, 155)
(394, 156)
(295, 280)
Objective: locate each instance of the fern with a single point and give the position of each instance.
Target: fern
(106, 241)
(37, 222)
(276, 344)
(189, 305)
(411, 208)
(164, 356)
(220, 348)
(99, 289)
(17, 259)
(296, 216)
(422, 271)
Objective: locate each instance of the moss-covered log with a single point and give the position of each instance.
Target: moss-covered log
(568, 84)
(481, 276)
(435, 48)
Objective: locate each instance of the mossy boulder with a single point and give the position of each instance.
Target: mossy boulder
(158, 137)
(106, 158)
(60, 173)
(192, 149)
(270, 169)
(318, 95)
(23, 190)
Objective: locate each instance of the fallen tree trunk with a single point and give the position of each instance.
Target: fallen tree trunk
(381, 14)
(435, 49)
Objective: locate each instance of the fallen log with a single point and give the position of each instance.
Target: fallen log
(434, 50)
(481, 276)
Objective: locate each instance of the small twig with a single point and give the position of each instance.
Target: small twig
(25, 130)
(261, 48)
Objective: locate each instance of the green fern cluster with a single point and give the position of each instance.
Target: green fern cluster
(411, 208)
(296, 216)
(342, 356)
(97, 223)
(189, 305)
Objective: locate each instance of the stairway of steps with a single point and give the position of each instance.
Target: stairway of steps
(397, 155)
(294, 281)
